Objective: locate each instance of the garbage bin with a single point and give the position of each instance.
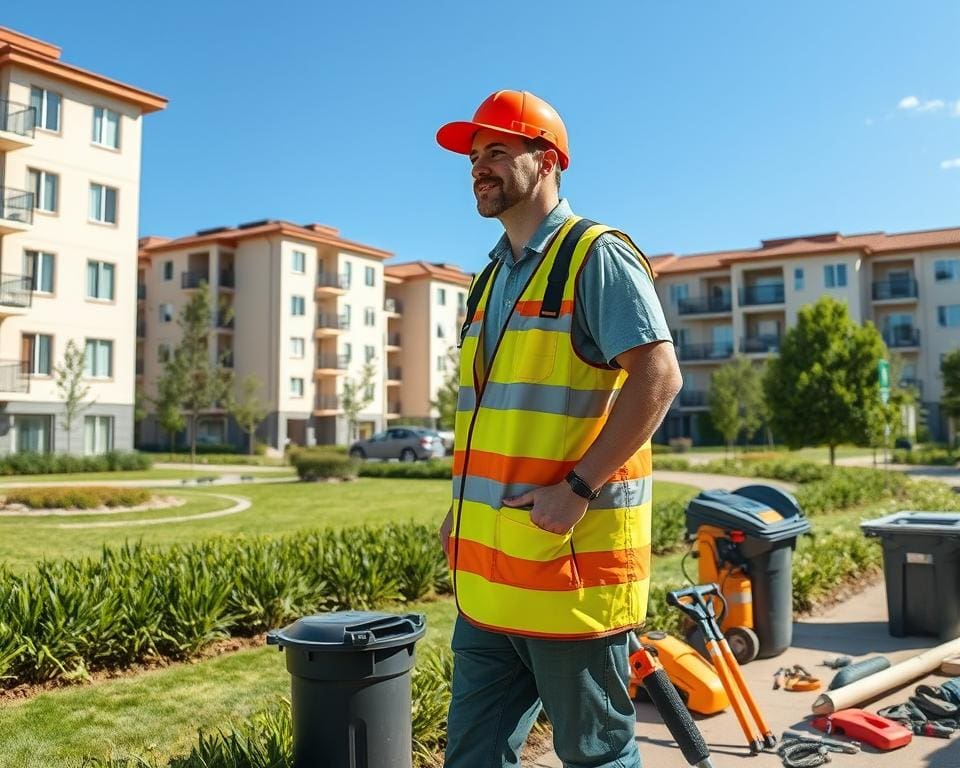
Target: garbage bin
(753, 529)
(921, 568)
(350, 687)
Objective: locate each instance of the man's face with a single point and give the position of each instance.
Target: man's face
(504, 171)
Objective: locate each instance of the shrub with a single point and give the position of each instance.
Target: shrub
(50, 463)
(439, 469)
(670, 464)
(82, 497)
(680, 444)
(668, 527)
(658, 448)
(315, 465)
(943, 457)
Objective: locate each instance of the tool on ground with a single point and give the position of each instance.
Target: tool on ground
(696, 603)
(807, 750)
(837, 662)
(913, 718)
(898, 675)
(696, 681)
(853, 672)
(668, 703)
(744, 542)
(866, 727)
(795, 678)
(930, 700)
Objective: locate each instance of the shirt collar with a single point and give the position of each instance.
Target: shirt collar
(548, 227)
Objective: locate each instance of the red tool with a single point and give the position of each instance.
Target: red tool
(865, 726)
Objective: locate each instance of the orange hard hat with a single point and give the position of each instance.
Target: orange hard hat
(517, 112)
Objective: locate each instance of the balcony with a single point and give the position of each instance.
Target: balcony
(704, 305)
(393, 307)
(227, 278)
(758, 345)
(16, 294)
(710, 352)
(393, 342)
(330, 284)
(139, 367)
(692, 398)
(16, 211)
(331, 325)
(141, 328)
(394, 375)
(141, 291)
(326, 405)
(901, 337)
(223, 321)
(754, 295)
(897, 289)
(331, 365)
(226, 358)
(14, 376)
(394, 409)
(192, 278)
(17, 125)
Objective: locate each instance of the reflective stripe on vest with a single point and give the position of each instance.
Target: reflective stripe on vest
(522, 422)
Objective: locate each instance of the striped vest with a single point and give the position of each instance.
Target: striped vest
(523, 422)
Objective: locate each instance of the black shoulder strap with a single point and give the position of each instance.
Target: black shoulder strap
(476, 291)
(557, 279)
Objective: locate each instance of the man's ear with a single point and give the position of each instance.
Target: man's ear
(548, 162)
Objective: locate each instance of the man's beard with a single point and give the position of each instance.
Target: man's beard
(497, 200)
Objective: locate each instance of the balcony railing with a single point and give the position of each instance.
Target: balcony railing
(193, 277)
(902, 336)
(14, 376)
(762, 294)
(333, 362)
(692, 398)
(16, 205)
(141, 329)
(711, 351)
(330, 280)
(393, 339)
(141, 291)
(757, 344)
(916, 384)
(227, 278)
(393, 305)
(17, 118)
(336, 322)
(223, 321)
(705, 304)
(16, 290)
(226, 358)
(139, 367)
(899, 288)
(394, 407)
(328, 403)
(394, 374)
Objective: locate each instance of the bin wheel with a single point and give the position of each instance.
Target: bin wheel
(744, 643)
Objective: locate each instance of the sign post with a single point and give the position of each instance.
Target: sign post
(883, 379)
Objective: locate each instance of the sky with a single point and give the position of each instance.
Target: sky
(693, 126)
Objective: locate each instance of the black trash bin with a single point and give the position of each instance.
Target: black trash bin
(350, 687)
(921, 568)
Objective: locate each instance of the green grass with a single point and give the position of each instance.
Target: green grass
(820, 453)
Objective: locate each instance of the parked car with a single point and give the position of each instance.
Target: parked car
(447, 437)
(404, 443)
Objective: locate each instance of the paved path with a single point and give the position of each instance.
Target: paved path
(705, 480)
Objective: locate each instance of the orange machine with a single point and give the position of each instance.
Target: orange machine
(693, 677)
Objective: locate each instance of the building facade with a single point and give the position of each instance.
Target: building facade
(69, 204)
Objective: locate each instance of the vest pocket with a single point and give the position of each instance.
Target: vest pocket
(530, 557)
(534, 355)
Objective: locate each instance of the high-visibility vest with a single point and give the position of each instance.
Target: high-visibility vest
(523, 422)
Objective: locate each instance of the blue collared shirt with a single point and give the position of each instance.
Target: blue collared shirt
(617, 307)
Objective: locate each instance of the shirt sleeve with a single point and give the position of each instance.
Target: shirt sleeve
(617, 306)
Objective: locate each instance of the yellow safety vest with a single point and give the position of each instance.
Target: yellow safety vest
(523, 422)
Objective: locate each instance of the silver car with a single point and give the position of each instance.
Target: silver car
(404, 443)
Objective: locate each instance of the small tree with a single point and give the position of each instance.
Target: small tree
(71, 388)
(950, 401)
(446, 402)
(248, 409)
(170, 388)
(357, 395)
(736, 400)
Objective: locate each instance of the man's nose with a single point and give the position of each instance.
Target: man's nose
(479, 169)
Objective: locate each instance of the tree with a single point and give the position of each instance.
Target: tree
(736, 400)
(248, 409)
(170, 388)
(950, 371)
(822, 389)
(446, 402)
(68, 378)
(357, 395)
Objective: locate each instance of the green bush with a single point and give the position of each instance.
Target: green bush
(669, 464)
(825, 561)
(439, 469)
(658, 448)
(943, 457)
(316, 465)
(63, 463)
(81, 497)
(668, 526)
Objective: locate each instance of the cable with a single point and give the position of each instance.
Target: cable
(683, 567)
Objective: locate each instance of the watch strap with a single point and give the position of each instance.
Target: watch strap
(581, 487)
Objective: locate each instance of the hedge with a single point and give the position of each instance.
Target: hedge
(65, 463)
(81, 497)
(315, 465)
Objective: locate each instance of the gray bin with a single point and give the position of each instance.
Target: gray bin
(350, 688)
(921, 568)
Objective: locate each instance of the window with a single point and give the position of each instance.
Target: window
(97, 434)
(678, 292)
(347, 274)
(835, 275)
(99, 359)
(347, 352)
(106, 127)
(798, 279)
(166, 313)
(298, 306)
(441, 362)
(44, 187)
(368, 352)
(442, 297)
(299, 262)
(296, 387)
(440, 333)
(949, 316)
(33, 433)
(946, 270)
(369, 317)
(168, 270)
(38, 268)
(369, 276)
(36, 350)
(47, 105)
(100, 280)
(346, 316)
(370, 391)
(163, 353)
(461, 302)
(103, 204)
(297, 346)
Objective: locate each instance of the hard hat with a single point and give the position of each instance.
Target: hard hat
(517, 112)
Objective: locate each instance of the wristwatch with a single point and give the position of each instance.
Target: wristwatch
(580, 486)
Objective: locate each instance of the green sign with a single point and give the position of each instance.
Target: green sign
(883, 378)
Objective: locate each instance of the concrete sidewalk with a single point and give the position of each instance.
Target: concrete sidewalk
(857, 628)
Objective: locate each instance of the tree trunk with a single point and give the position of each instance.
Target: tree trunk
(833, 455)
(250, 441)
(193, 438)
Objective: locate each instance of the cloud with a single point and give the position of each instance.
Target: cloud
(956, 108)
(949, 165)
(909, 102)
(931, 106)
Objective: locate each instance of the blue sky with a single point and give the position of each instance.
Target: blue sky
(693, 126)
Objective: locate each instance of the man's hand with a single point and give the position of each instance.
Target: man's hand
(445, 528)
(554, 508)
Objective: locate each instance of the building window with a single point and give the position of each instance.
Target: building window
(370, 391)
(441, 362)
(347, 352)
(369, 317)
(38, 269)
(946, 270)
(299, 262)
(103, 204)
(297, 346)
(798, 279)
(369, 353)
(949, 316)
(106, 127)
(97, 434)
(678, 292)
(47, 106)
(346, 316)
(440, 333)
(44, 187)
(168, 270)
(163, 353)
(461, 302)
(98, 363)
(33, 433)
(835, 275)
(296, 387)
(36, 350)
(100, 280)
(166, 313)
(347, 274)
(298, 306)
(369, 276)
(442, 297)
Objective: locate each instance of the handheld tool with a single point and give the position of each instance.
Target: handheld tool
(696, 681)
(864, 726)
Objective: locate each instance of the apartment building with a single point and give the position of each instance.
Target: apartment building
(425, 306)
(297, 307)
(69, 205)
(741, 302)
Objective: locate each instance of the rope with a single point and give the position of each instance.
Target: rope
(796, 753)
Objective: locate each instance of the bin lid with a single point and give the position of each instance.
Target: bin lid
(761, 511)
(350, 630)
(929, 523)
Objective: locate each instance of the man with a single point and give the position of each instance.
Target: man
(566, 371)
